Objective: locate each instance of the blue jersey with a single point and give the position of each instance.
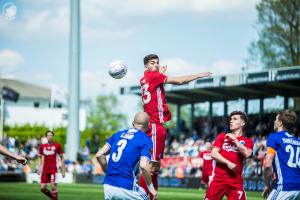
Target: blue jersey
(287, 160)
(127, 147)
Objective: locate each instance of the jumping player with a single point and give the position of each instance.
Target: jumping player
(49, 152)
(155, 105)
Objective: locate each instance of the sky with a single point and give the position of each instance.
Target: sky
(190, 36)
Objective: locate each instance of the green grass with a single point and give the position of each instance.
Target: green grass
(23, 191)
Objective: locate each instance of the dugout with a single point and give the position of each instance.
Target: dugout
(247, 86)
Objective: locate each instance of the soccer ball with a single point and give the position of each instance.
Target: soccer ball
(117, 70)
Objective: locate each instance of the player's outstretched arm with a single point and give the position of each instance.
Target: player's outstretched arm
(101, 156)
(268, 173)
(146, 172)
(6, 152)
(186, 79)
(219, 158)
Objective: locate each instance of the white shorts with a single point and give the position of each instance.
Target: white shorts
(284, 195)
(116, 193)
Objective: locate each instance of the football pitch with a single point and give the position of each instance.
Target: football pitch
(23, 191)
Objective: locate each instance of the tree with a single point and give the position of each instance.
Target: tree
(279, 34)
(104, 118)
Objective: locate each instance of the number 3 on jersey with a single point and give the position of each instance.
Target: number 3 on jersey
(117, 155)
(146, 95)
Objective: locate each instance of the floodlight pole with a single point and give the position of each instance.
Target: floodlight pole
(74, 82)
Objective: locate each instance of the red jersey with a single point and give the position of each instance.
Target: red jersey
(50, 151)
(154, 97)
(230, 151)
(207, 162)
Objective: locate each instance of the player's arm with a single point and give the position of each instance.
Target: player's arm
(268, 172)
(39, 163)
(6, 152)
(146, 172)
(180, 80)
(215, 154)
(101, 156)
(246, 152)
(63, 168)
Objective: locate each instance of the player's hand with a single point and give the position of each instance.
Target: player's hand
(231, 137)
(232, 166)
(205, 74)
(21, 160)
(266, 192)
(163, 69)
(154, 194)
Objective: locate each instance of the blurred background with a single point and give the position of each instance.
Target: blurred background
(251, 47)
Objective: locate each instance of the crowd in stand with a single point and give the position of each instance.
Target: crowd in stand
(181, 153)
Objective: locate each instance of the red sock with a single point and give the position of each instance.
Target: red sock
(46, 192)
(154, 177)
(143, 184)
(54, 194)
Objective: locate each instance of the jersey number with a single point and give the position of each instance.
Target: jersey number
(146, 94)
(293, 157)
(117, 155)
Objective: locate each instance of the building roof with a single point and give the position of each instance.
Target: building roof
(27, 90)
(254, 85)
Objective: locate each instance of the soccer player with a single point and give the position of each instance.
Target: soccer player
(129, 150)
(229, 151)
(207, 165)
(6, 152)
(155, 105)
(283, 151)
(49, 152)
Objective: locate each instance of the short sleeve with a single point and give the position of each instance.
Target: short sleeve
(249, 144)
(157, 79)
(59, 149)
(271, 142)
(40, 153)
(219, 141)
(147, 149)
(111, 140)
(201, 155)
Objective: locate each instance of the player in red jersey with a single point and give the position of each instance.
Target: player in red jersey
(207, 166)
(155, 105)
(49, 152)
(229, 151)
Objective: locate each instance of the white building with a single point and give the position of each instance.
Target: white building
(39, 105)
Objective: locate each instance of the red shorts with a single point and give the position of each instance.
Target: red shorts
(233, 191)
(48, 178)
(158, 134)
(205, 178)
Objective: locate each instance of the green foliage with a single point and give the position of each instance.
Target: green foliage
(105, 118)
(27, 131)
(279, 34)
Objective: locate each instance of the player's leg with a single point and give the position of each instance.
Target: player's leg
(236, 192)
(54, 187)
(44, 180)
(215, 191)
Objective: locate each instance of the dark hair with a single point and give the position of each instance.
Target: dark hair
(242, 115)
(288, 119)
(150, 57)
(49, 131)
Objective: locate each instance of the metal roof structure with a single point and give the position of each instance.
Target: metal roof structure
(255, 85)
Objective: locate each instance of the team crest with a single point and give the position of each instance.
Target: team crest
(242, 142)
